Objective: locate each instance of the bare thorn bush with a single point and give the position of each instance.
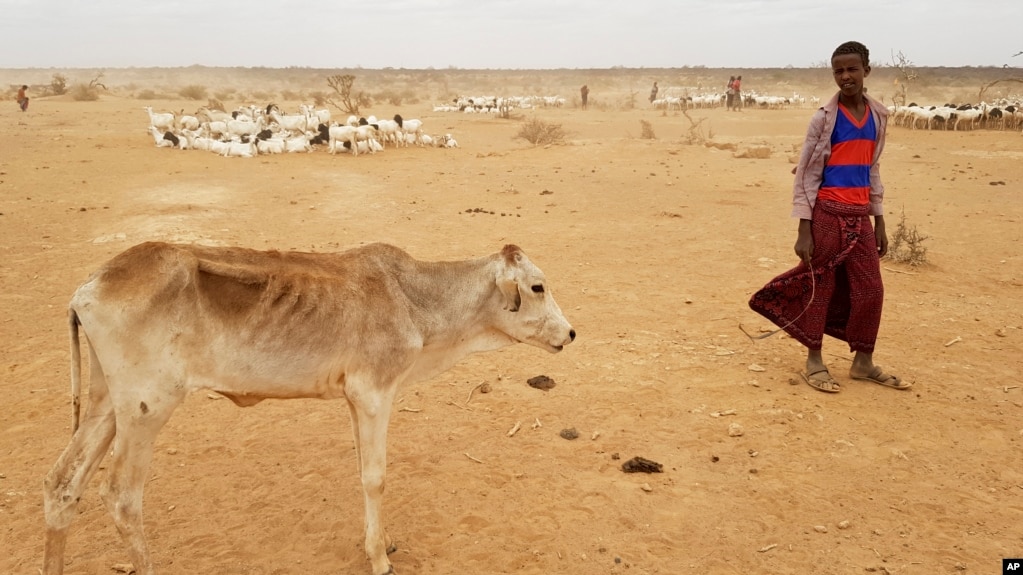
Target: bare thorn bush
(907, 244)
(695, 134)
(540, 133)
(646, 130)
(215, 104)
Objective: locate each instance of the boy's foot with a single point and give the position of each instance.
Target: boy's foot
(878, 376)
(821, 380)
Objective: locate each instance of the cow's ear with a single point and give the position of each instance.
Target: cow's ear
(507, 278)
(510, 290)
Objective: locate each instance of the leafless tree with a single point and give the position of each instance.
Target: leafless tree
(345, 99)
(907, 73)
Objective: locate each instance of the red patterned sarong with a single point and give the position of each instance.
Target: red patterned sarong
(848, 294)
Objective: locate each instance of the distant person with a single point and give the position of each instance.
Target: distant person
(22, 98)
(737, 94)
(653, 93)
(584, 93)
(836, 288)
(730, 93)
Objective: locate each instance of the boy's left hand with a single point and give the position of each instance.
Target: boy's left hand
(880, 236)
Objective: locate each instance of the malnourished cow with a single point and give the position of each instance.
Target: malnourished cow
(163, 320)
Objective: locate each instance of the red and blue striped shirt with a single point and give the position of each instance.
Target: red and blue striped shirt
(847, 174)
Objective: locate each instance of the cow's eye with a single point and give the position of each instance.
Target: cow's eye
(538, 288)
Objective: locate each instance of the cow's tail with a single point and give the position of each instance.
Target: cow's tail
(76, 369)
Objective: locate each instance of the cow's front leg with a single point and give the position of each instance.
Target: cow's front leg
(372, 410)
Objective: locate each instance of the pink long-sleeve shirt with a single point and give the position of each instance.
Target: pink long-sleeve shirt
(817, 150)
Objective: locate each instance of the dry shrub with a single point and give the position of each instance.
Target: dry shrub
(193, 92)
(906, 245)
(84, 93)
(695, 134)
(215, 104)
(319, 98)
(646, 130)
(291, 96)
(390, 96)
(539, 133)
(58, 84)
(148, 95)
(224, 94)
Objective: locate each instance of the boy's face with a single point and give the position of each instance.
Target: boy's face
(849, 73)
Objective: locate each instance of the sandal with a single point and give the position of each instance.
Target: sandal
(878, 376)
(827, 384)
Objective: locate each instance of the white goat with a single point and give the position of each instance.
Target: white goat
(341, 134)
(159, 137)
(163, 120)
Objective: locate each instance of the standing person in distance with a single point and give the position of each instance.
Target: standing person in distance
(584, 93)
(653, 93)
(737, 94)
(730, 93)
(22, 98)
(836, 289)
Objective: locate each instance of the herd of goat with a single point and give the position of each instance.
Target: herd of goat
(1001, 115)
(252, 131)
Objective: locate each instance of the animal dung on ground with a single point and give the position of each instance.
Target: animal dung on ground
(569, 433)
(642, 465)
(541, 382)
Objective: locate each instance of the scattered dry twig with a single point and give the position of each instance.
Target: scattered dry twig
(412, 409)
(767, 548)
(899, 271)
(515, 429)
(478, 385)
(957, 339)
(473, 458)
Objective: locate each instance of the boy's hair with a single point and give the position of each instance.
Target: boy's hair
(853, 48)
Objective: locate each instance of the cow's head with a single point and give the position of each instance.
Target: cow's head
(530, 313)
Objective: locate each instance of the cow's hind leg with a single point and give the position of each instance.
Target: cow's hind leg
(68, 478)
(140, 416)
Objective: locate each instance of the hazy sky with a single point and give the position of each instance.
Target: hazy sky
(502, 33)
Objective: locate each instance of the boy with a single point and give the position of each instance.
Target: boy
(22, 98)
(836, 289)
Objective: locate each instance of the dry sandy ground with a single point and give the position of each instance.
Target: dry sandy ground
(652, 248)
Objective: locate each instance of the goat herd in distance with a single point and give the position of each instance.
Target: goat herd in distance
(251, 131)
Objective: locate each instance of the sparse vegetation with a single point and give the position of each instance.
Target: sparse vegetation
(540, 133)
(906, 244)
(215, 104)
(695, 134)
(344, 97)
(193, 92)
(907, 73)
(58, 84)
(88, 92)
(646, 130)
(147, 94)
(84, 93)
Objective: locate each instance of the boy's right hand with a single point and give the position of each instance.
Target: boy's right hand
(804, 242)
